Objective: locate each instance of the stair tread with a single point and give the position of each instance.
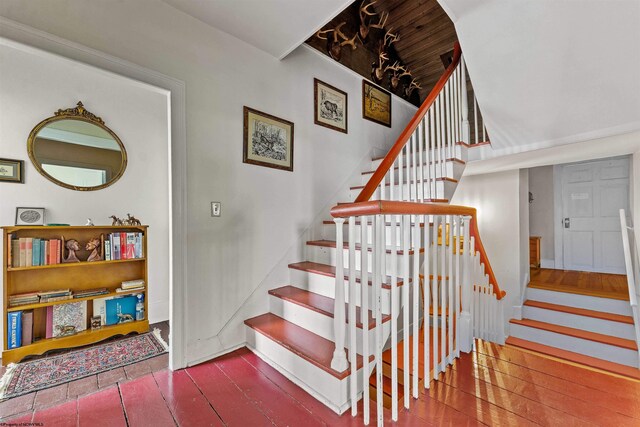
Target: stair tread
(311, 347)
(388, 184)
(423, 201)
(330, 271)
(358, 222)
(582, 359)
(332, 244)
(578, 333)
(580, 311)
(320, 303)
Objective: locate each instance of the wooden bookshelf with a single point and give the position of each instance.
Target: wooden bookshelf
(74, 276)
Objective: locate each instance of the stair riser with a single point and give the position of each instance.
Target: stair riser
(577, 345)
(606, 305)
(460, 153)
(443, 190)
(325, 285)
(451, 170)
(319, 323)
(586, 323)
(331, 391)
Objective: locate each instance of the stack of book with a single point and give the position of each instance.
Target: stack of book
(23, 299)
(131, 285)
(31, 251)
(57, 295)
(90, 293)
(19, 328)
(123, 245)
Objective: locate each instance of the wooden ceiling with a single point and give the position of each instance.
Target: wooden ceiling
(426, 35)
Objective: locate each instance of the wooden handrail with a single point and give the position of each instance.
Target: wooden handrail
(404, 137)
(388, 207)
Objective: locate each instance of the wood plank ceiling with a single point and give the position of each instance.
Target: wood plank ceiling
(426, 36)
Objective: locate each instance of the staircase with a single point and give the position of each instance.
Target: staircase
(592, 330)
(356, 296)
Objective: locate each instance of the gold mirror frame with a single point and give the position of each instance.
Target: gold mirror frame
(81, 114)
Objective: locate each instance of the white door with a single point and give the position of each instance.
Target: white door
(592, 195)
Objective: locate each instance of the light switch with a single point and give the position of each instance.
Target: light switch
(216, 208)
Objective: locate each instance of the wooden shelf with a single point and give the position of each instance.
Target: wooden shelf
(74, 264)
(66, 301)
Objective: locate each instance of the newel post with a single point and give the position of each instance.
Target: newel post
(339, 362)
(466, 330)
(466, 129)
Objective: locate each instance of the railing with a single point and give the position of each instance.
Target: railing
(632, 263)
(425, 261)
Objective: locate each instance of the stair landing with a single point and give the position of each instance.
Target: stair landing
(601, 285)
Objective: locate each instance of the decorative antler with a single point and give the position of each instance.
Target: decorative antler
(398, 72)
(390, 38)
(381, 22)
(345, 40)
(395, 67)
(364, 12)
(377, 73)
(412, 86)
(322, 33)
(334, 47)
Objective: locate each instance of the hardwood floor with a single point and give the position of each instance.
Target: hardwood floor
(493, 385)
(581, 282)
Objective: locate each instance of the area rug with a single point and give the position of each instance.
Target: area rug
(26, 377)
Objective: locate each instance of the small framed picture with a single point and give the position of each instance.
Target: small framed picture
(330, 106)
(96, 322)
(12, 171)
(29, 216)
(268, 140)
(376, 104)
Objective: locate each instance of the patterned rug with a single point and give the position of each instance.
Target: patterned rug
(34, 375)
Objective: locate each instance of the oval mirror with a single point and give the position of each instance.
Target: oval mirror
(76, 150)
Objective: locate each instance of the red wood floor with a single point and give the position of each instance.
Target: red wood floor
(492, 386)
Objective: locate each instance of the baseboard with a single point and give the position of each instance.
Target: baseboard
(213, 355)
(547, 263)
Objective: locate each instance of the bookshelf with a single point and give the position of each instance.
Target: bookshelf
(77, 276)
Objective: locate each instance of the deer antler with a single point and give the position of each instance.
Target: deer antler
(364, 10)
(395, 67)
(322, 33)
(381, 22)
(405, 72)
(412, 86)
(345, 40)
(390, 38)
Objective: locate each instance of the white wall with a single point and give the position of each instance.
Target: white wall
(496, 198)
(635, 194)
(34, 84)
(541, 212)
(264, 211)
(523, 212)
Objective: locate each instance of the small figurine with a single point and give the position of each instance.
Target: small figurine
(94, 245)
(65, 330)
(116, 220)
(89, 223)
(132, 220)
(72, 246)
(124, 318)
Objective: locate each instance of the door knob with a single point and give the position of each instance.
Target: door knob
(567, 223)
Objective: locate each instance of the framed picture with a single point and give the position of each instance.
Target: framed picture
(29, 216)
(11, 171)
(268, 140)
(376, 104)
(330, 106)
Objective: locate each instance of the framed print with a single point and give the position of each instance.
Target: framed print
(268, 140)
(12, 171)
(330, 106)
(29, 216)
(376, 104)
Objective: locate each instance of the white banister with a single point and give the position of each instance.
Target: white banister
(339, 361)
(466, 130)
(628, 237)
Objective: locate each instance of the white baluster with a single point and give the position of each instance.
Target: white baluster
(466, 331)
(400, 174)
(443, 295)
(475, 116)
(465, 102)
(416, 302)
(449, 138)
(421, 161)
(459, 248)
(406, 231)
(352, 321)
(364, 313)
(377, 284)
(395, 307)
(432, 149)
(450, 294)
(339, 362)
(434, 290)
(426, 272)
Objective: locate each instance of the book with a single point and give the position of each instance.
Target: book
(14, 329)
(54, 293)
(115, 244)
(119, 309)
(35, 254)
(121, 290)
(10, 250)
(100, 308)
(138, 245)
(107, 250)
(43, 245)
(127, 284)
(45, 252)
(123, 245)
(49, 323)
(27, 327)
(131, 245)
(53, 299)
(69, 319)
(29, 252)
(15, 251)
(23, 252)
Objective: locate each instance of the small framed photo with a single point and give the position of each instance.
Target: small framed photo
(376, 104)
(29, 216)
(330, 106)
(96, 322)
(12, 171)
(268, 140)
